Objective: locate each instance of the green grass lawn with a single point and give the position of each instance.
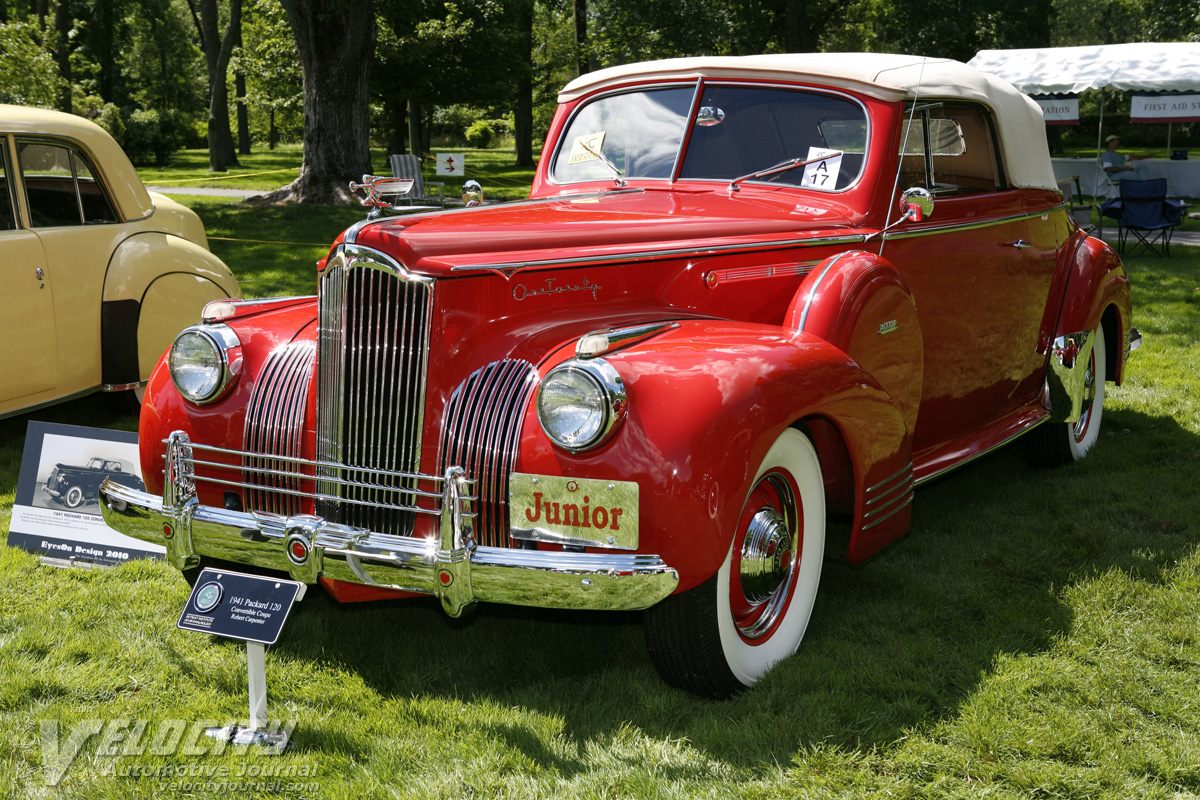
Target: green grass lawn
(1034, 635)
(266, 170)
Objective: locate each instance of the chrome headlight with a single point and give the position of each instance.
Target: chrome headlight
(580, 403)
(205, 361)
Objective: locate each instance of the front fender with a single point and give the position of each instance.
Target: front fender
(706, 401)
(221, 423)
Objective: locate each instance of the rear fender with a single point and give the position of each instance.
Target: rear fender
(1097, 289)
(706, 399)
(155, 286)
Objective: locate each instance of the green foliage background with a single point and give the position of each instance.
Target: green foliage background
(142, 56)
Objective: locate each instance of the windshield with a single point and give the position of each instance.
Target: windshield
(738, 130)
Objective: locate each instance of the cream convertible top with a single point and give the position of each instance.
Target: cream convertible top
(888, 77)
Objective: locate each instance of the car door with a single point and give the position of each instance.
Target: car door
(28, 359)
(980, 269)
(75, 222)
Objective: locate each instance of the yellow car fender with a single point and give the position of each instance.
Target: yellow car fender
(156, 285)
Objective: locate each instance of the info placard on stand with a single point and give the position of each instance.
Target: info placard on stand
(251, 608)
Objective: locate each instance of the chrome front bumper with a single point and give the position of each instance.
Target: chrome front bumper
(451, 567)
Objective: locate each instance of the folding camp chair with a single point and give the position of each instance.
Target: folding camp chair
(405, 165)
(1144, 210)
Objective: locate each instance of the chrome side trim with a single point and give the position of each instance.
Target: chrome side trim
(967, 226)
(611, 340)
(720, 277)
(888, 497)
(816, 285)
(650, 255)
(970, 460)
(121, 387)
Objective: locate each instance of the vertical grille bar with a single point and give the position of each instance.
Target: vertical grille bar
(374, 355)
(481, 432)
(275, 425)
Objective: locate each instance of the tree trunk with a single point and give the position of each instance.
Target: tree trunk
(416, 129)
(106, 23)
(797, 35)
(217, 52)
(273, 133)
(397, 117)
(581, 42)
(336, 41)
(62, 52)
(243, 114)
(523, 113)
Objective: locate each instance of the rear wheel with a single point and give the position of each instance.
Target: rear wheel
(726, 633)
(1056, 444)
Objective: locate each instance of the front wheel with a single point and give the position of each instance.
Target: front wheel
(725, 634)
(1056, 444)
(74, 497)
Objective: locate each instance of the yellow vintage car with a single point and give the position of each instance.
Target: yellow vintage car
(97, 274)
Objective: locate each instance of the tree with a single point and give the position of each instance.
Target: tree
(28, 72)
(335, 40)
(62, 52)
(218, 49)
(274, 86)
(523, 114)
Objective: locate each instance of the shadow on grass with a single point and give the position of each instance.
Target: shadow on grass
(899, 642)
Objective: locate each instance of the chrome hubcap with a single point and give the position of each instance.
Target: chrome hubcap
(766, 558)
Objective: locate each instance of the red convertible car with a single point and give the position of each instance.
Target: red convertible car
(745, 295)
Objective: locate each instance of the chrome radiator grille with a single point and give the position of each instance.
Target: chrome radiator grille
(275, 426)
(374, 349)
(481, 431)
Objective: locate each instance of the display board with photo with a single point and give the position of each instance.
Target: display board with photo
(57, 508)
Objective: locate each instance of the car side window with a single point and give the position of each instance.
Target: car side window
(61, 186)
(8, 219)
(949, 149)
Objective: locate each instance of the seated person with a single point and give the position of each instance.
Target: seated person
(1115, 164)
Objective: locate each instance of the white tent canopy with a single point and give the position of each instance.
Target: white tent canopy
(1142, 67)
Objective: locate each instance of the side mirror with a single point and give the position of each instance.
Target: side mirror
(916, 204)
(379, 188)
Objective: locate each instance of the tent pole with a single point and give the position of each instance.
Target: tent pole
(1168, 140)
(1100, 135)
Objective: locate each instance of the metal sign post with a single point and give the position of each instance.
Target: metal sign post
(251, 608)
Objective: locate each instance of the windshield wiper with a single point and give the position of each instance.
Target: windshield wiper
(782, 166)
(616, 173)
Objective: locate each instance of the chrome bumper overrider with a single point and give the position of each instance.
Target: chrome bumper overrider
(451, 567)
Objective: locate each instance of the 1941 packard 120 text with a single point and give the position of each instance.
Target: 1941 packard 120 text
(745, 294)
